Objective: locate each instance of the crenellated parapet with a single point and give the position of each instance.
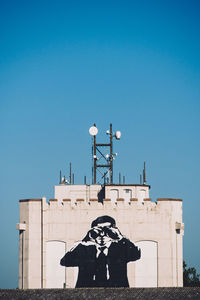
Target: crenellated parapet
(162, 207)
(160, 202)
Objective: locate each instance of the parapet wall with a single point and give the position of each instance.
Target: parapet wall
(95, 200)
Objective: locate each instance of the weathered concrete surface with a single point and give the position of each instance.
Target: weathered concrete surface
(158, 225)
(104, 294)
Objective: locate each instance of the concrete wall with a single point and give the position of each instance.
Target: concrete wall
(76, 191)
(68, 220)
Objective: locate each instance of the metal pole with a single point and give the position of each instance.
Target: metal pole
(144, 174)
(119, 178)
(70, 173)
(111, 156)
(60, 177)
(123, 179)
(95, 161)
(92, 162)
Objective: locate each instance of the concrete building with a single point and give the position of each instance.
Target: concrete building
(49, 229)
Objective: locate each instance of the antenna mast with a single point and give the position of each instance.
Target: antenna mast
(108, 158)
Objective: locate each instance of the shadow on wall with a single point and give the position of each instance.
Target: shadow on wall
(101, 195)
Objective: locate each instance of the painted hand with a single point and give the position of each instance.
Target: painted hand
(115, 234)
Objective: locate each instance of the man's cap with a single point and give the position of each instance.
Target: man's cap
(103, 219)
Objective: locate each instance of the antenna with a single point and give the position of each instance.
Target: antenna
(118, 135)
(108, 158)
(93, 130)
(144, 174)
(60, 177)
(111, 156)
(70, 173)
(119, 178)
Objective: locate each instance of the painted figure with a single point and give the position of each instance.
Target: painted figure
(102, 256)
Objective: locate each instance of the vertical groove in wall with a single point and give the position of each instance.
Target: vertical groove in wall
(41, 243)
(65, 268)
(157, 264)
(176, 262)
(22, 259)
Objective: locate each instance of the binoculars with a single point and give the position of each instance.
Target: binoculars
(103, 231)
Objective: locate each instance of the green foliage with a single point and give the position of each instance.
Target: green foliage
(190, 276)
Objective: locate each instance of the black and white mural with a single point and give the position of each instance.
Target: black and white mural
(102, 256)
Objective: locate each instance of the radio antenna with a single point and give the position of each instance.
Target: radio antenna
(108, 158)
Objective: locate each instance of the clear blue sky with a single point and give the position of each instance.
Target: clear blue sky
(67, 64)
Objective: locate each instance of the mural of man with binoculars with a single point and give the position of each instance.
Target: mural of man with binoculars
(102, 256)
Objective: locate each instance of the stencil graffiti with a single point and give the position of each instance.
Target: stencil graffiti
(102, 256)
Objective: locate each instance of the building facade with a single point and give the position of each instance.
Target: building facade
(49, 229)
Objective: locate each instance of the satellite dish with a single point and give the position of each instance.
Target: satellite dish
(118, 135)
(93, 130)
